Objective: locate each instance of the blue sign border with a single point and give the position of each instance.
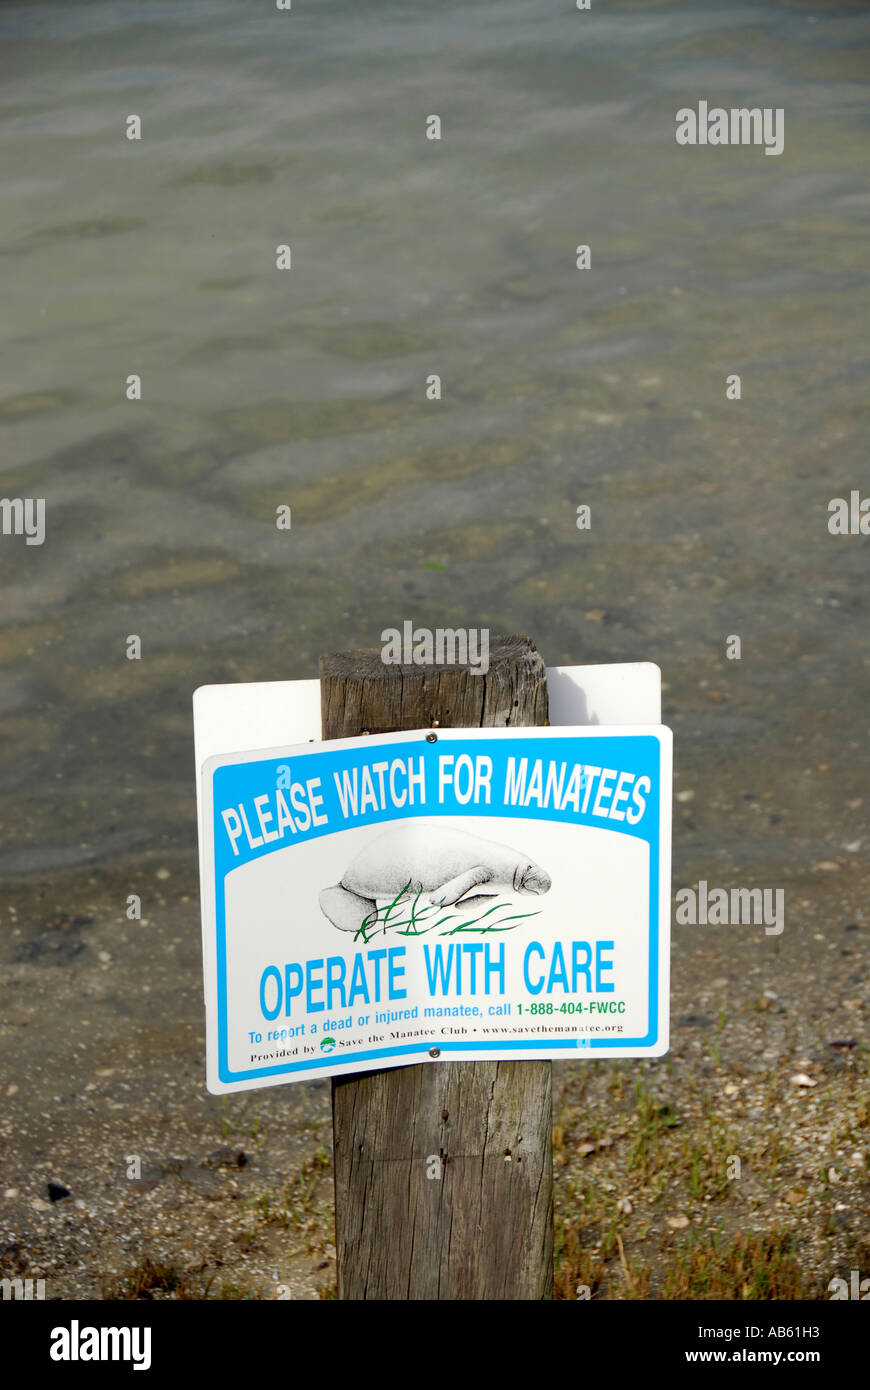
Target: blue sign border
(235, 782)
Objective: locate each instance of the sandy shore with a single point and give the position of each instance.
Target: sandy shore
(101, 1055)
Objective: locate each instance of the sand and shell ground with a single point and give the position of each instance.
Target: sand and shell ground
(101, 1055)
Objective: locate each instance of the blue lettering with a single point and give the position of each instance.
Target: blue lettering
(376, 957)
(394, 971)
(558, 974)
(313, 982)
(577, 969)
(539, 950)
(358, 986)
(602, 964)
(439, 968)
(471, 949)
(496, 967)
(335, 969)
(270, 1013)
(291, 991)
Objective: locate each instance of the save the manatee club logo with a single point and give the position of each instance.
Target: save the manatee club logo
(415, 879)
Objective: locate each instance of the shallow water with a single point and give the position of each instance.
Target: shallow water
(308, 388)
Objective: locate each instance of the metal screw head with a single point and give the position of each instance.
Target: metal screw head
(431, 738)
(434, 1051)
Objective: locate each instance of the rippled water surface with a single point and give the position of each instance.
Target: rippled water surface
(307, 387)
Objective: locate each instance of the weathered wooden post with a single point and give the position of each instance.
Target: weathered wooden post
(484, 1228)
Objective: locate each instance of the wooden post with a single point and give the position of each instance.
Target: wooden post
(484, 1229)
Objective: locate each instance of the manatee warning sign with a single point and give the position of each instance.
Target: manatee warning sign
(420, 897)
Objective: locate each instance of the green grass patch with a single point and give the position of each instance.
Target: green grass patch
(750, 1265)
(409, 917)
(153, 1280)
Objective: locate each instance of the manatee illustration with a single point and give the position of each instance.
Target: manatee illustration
(426, 858)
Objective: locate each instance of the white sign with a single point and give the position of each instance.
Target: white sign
(459, 894)
(235, 718)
